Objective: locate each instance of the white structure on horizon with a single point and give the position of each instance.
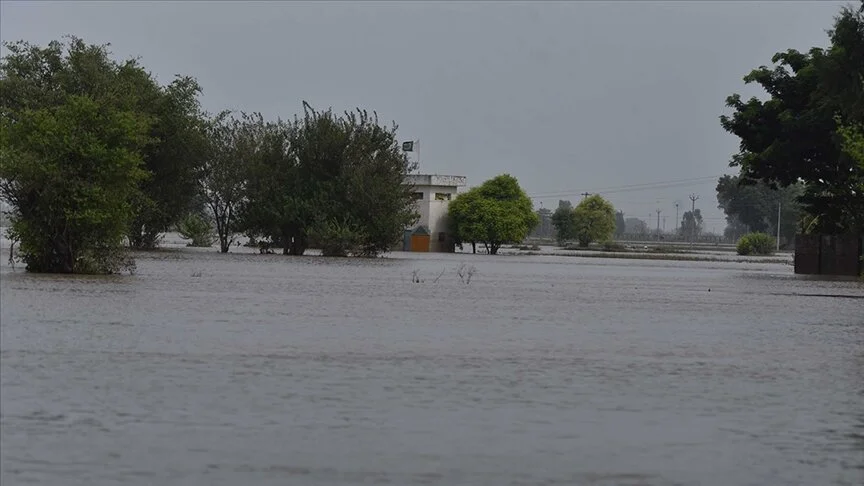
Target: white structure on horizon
(432, 193)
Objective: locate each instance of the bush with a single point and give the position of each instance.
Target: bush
(196, 228)
(338, 238)
(756, 244)
(613, 246)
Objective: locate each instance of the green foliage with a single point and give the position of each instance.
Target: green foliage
(593, 220)
(793, 136)
(495, 213)
(338, 238)
(752, 206)
(853, 142)
(70, 172)
(231, 146)
(565, 227)
(322, 170)
(36, 78)
(198, 229)
(172, 158)
(756, 244)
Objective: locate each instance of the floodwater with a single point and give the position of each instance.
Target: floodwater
(246, 369)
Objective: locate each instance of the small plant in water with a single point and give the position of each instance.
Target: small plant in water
(465, 272)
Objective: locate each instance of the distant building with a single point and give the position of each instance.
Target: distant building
(432, 193)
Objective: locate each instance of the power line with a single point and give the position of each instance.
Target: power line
(630, 187)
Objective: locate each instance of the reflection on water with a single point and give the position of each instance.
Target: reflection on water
(208, 369)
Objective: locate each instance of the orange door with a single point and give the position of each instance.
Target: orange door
(420, 243)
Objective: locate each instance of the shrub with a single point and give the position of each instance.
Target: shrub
(338, 238)
(196, 228)
(613, 246)
(756, 244)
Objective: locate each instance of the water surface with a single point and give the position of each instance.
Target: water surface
(209, 369)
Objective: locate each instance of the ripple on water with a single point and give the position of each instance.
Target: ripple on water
(263, 369)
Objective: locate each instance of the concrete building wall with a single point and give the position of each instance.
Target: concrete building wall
(434, 194)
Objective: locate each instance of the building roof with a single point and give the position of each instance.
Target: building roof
(435, 180)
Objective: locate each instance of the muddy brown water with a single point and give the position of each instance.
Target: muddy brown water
(242, 369)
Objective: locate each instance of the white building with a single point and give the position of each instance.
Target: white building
(433, 194)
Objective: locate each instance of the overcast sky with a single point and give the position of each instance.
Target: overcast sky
(566, 96)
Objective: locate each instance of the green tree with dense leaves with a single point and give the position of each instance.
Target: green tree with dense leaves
(562, 220)
(72, 144)
(71, 172)
(33, 77)
(793, 137)
(176, 151)
(593, 220)
(495, 213)
(337, 182)
(853, 143)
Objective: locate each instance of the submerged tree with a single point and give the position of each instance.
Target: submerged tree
(334, 181)
(231, 145)
(36, 77)
(72, 137)
(70, 173)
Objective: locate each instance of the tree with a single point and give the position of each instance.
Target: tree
(754, 205)
(231, 144)
(333, 181)
(853, 140)
(620, 224)
(563, 222)
(793, 136)
(70, 172)
(372, 184)
(593, 220)
(691, 224)
(495, 213)
(544, 228)
(43, 77)
(73, 138)
(172, 158)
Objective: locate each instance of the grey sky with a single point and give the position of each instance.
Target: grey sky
(566, 96)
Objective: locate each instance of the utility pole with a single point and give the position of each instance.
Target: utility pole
(585, 194)
(778, 225)
(693, 199)
(676, 217)
(658, 223)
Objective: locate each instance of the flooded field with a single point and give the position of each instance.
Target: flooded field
(209, 369)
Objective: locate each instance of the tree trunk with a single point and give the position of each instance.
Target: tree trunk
(298, 246)
(474, 247)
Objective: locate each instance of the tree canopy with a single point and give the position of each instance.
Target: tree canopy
(336, 181)
(691, 224)
(794, 136)
(73, 135)
(593, 219)
(36, 77)
(95, 153)
(495, 213)
(753, 207)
